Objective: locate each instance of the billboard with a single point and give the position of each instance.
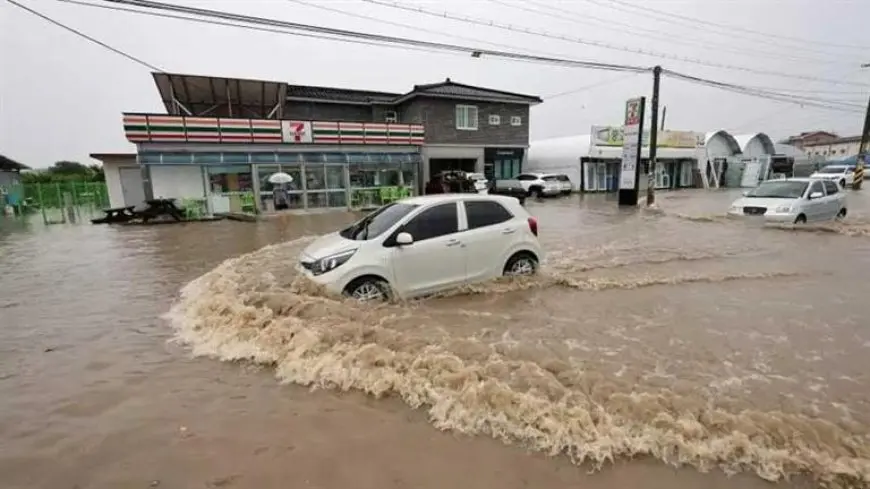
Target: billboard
(615, 136)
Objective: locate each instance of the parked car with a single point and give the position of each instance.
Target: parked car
(796, 200)
(564, 182)
(536, 186)
(512, 188)
(480, 182)
(842, 174)
(424, 245)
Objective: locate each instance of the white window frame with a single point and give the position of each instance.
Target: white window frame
(516, 120)
(464, 119)
(494, 119)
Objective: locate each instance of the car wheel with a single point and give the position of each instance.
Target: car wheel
(521, 264)
(368, 289)
(801, 219)
(842, 214)
(843, 183)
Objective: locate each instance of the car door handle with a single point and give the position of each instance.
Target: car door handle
(454, 242)
(508, 231)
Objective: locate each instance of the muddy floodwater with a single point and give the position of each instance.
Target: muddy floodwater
(186, 356)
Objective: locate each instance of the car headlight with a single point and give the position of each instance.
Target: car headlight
(783, 209)
(735, 208)
(331, 262)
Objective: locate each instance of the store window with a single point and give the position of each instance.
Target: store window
(231, 188)
(375, 179)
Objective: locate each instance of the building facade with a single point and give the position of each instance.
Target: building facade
(223, 140)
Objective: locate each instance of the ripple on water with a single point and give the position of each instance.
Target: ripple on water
(255, 309)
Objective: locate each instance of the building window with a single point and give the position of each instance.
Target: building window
(466, 117)
(494, 119)
(516, 120)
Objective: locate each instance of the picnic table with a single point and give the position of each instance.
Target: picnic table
(160, 207)
(116, 214)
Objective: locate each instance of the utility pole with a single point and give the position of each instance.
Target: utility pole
(653, 138)
(862, 150)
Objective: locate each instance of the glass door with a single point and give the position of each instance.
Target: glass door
(601, 174)
(336, 185)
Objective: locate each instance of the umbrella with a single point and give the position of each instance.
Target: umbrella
(280, 178)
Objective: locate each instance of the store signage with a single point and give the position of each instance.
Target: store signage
(296, 131)
(614, 136)
(631, 143)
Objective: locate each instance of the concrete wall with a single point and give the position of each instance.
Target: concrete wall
(439, 117)
(111, 167)
(316, 111)
(176, 181)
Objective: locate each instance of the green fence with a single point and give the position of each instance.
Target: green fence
(58, 202)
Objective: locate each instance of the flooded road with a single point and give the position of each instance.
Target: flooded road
(652, 339)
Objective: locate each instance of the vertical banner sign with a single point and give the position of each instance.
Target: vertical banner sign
(631, 144)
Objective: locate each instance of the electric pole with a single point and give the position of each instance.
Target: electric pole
(653, 138)
(862, 150)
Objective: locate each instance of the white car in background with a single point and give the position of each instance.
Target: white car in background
(481, 184)
(424, 245)
(564, 182)
(792, 200)
(842, 174)
(535, 185)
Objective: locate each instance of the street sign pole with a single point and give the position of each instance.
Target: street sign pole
(632, 142)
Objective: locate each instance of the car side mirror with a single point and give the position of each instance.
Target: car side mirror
(816, 195)
(404, 239)
(745, 193)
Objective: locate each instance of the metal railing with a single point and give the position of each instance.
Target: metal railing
(58, 202)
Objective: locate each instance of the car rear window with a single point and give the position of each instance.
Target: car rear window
(482, 213)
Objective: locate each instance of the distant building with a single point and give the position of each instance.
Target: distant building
(10, 171)
(222, 138)
(809, 139)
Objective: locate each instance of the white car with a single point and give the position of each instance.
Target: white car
(564, 182)
(480, 182)
(535, 185)
(792, 200)
(842, 174)
(424, 245)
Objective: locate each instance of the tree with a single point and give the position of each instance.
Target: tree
(63, 171)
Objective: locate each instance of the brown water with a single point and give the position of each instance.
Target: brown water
(651, 340)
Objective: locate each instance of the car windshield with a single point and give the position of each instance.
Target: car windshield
(832, 169)
(782, 189)
(378, 222)
(551, 178)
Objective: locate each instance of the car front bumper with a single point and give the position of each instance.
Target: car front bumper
(332, 281)
(772, 217)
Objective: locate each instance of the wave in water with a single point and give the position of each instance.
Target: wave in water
(254, 308)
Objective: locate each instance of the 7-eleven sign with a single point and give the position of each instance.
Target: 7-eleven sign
(632, 112)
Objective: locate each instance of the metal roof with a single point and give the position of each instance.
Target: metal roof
(451, 89)
(744, 139)
(305, 92)
(217, 96)
(8, 164)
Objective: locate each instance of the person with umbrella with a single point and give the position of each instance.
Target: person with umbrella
(279, 193)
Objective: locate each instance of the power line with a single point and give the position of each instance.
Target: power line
(634, 30)
(609, 81)
(85, 36)
(598, 44)
(731, 87)
(308, 29)
(729, 28)
(246, 27)
(416, 28)
(475, 51)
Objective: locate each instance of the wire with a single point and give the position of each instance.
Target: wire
(806, 101)
(242, 26)
(634, 30)
(416, 28)
(823, 103)
(85, 36)
(589, 87)
(540, 33)
(475, 51)
(729, 28)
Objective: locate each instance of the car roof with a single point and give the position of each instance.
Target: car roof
(440, 198)
(836, 166)
(793, 179)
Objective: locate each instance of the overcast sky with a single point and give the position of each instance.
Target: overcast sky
(61, 97)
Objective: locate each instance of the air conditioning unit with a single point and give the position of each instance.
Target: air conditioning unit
(391, 116)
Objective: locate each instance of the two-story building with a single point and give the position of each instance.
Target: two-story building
(224, 139)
